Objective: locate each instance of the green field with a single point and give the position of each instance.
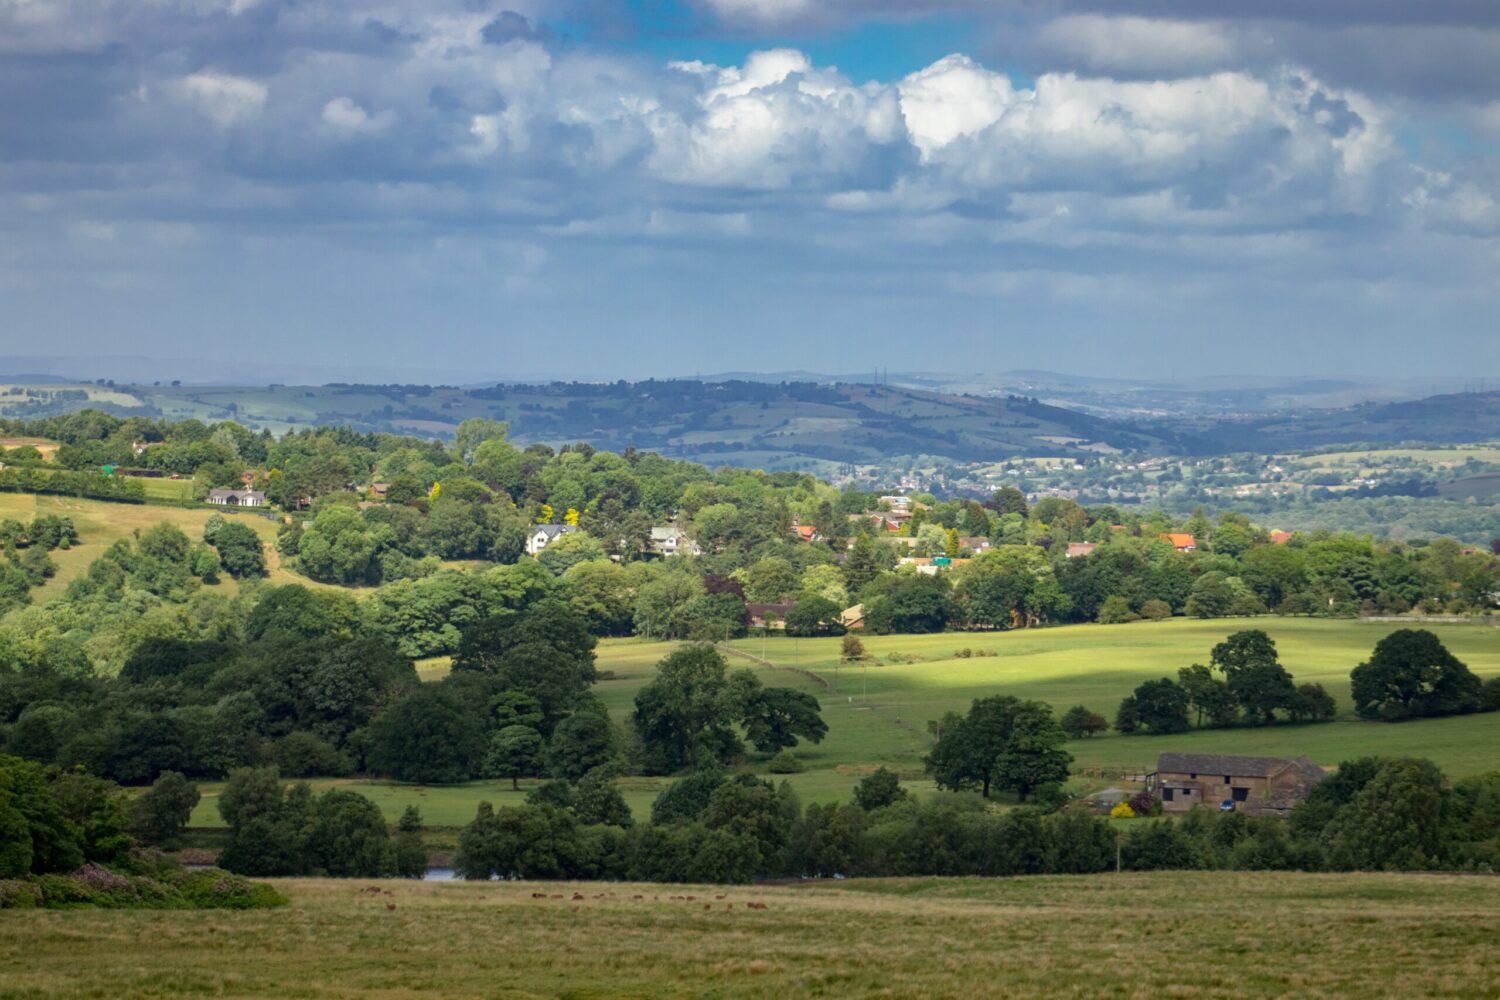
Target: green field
(1133, 935)
(877, 716)
(101, 523)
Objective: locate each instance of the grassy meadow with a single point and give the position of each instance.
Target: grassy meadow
(101, 523)
(1132, 935)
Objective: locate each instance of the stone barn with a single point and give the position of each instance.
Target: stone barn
(1220, 781)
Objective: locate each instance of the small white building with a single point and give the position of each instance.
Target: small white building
(543, 535)
(237, 498)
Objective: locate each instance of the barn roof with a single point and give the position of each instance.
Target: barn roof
(1232, 765)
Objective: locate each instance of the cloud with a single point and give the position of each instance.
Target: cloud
(347, 118)
(1135, 46)
(1147, 152)
(777, 123)
(226, 100)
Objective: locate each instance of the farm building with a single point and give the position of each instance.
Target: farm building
(237, 498)
(1222, 781)
(1077, 549)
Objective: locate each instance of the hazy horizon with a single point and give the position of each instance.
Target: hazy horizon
(663, 188)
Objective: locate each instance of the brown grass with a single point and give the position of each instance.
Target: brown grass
(1169, 934)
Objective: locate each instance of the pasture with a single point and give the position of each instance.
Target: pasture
(1157, 934)
(101, 523)
(877, 714)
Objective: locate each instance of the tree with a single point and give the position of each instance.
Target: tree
(1411, 674)
(533, 842)
(867, 559)
(36, 837)
(878, 790)
(597, 800)
(1002, 741)
(1208, 696)
(1008, 500)
(240, 550)
(1079, 723)
(851, 650)
(769, 580)
(1128, 716)
(515, 752)
(429, 736)
(777, 717)
(912, 604)
(1033, 756)
(347, 837)
(580, 743)
(1255, 676)
(1312, 704)
(544, 650)
(1161, 706)
(159, 816)
(814, 615)
(692, 706)
(1212, 596)
(1394, 822)
(408, 855)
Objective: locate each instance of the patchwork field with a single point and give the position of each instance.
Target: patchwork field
(1132, 935)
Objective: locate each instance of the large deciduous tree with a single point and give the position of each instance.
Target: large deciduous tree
(1255, 676)
(1411, 674)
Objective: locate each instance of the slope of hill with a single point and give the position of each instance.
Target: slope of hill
(797, 425)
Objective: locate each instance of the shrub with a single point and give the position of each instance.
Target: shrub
(1122, 810)
(1156, 610)
(1079, 723)
(786, 762)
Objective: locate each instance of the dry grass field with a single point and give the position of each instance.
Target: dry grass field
(1147, 935)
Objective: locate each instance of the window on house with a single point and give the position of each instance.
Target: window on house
(1194, 776)
(1166, 794)
(1240, 794)
(1186, 792)
(1226, 779)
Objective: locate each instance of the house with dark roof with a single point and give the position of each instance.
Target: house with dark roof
(543, 535)
(1232, 783)
(237, 498)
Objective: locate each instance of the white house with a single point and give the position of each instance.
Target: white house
(670, 540)
(543, 535)
(237, 498)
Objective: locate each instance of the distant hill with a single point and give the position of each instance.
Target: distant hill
(785, 425)
(1447, 419)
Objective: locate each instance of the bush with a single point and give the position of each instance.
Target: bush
(1116, 611)
(1156, 610)
(786, 762)
(1079, 723)
(95, 887)
(1122, 810)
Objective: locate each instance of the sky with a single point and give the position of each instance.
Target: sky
(462, 189)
